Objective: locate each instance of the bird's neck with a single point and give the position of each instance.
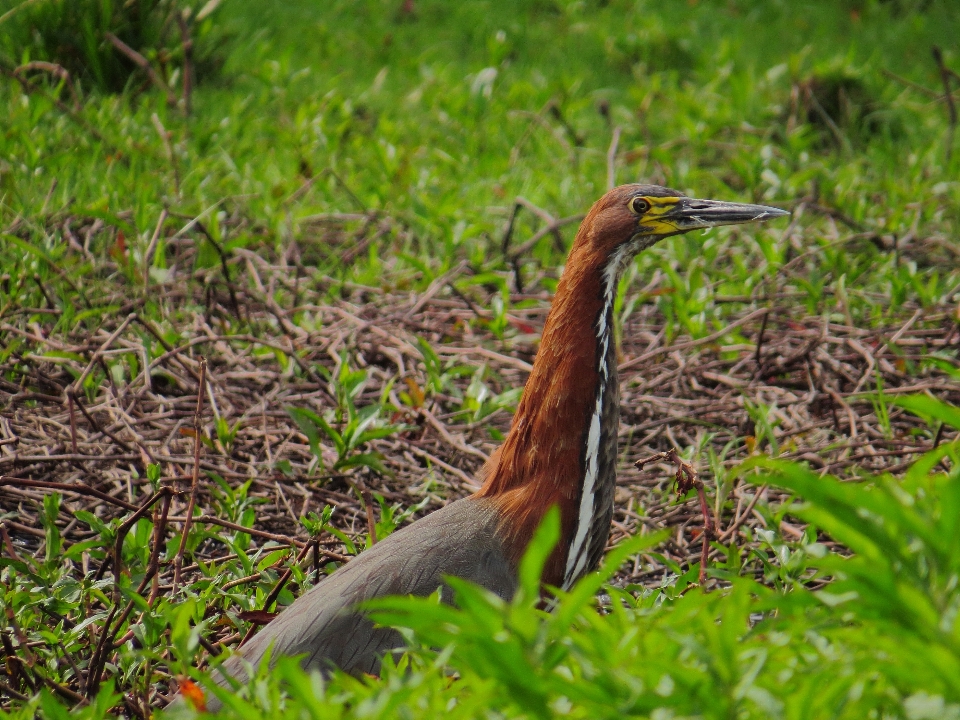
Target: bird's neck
(562, 445)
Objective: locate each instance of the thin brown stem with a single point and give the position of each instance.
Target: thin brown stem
(187, 43)
(612, 158)
(368, 505)
(191, 503)
(686, 479)
(73, 424)
(78, 488)
(144, 64)
(275, 592)
(945, 76)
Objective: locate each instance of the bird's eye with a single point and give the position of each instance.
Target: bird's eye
(639, 206)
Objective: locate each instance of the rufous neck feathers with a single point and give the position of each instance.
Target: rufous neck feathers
(561, 448)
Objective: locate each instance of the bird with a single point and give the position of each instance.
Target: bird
(561, 450)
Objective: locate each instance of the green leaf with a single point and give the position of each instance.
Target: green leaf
(928, 407)
(309, 423)
(27, 247)
(51, 510)
(377, 433)
(583, 592)
(75, 551)
(52, 708)
(536, 555)
(95, 523)
(373, 460)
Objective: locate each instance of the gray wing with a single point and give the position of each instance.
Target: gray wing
(460, 540)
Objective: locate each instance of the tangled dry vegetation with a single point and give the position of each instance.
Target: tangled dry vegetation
(266, 333)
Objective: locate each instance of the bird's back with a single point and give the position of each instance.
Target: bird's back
(460, 539)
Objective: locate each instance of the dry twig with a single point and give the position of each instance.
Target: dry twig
(687, 479)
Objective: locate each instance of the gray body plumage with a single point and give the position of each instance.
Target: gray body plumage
(324, 626)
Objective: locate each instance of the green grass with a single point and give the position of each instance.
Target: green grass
(438, 119)
(879, 641)
(410, 126)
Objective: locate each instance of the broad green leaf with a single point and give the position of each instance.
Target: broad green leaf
(929, 407)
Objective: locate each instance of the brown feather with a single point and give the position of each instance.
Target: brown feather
(541, 462)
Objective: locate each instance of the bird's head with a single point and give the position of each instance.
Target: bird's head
(631, 218)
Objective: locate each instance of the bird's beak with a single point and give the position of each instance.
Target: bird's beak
(685, 214)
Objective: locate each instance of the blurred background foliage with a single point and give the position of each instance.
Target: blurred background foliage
(441, 113)
(74, 35)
